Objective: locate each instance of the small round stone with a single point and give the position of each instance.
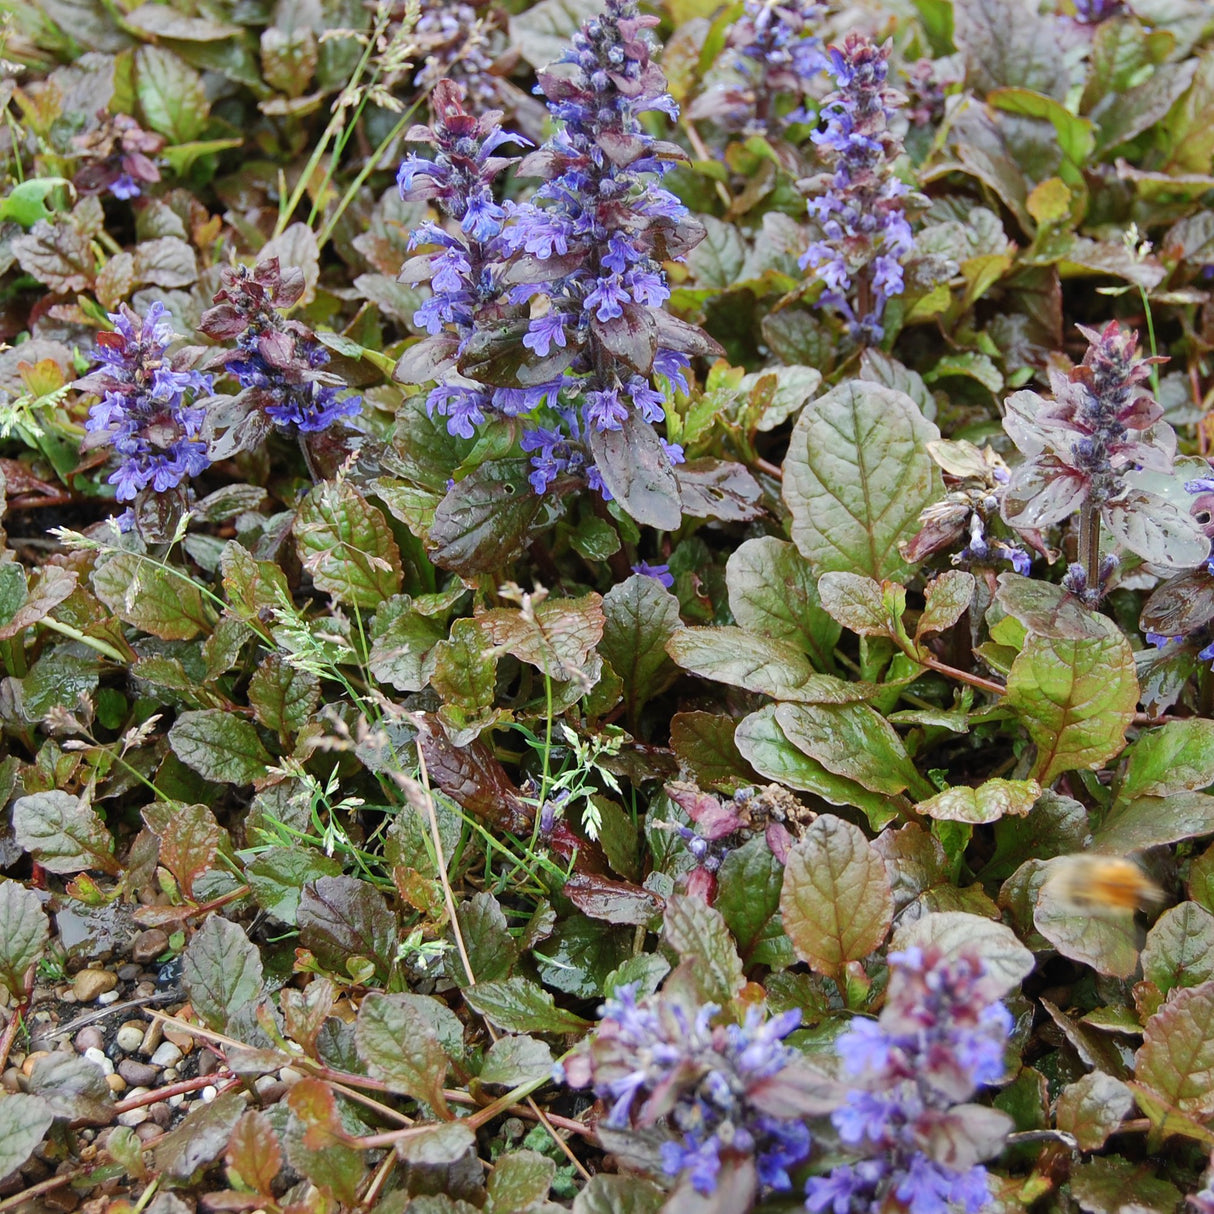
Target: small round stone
(117, 1083)
(107, 997)
(209, 1093)
(97, 1056)
(129, 1037)
(148, 945)
(167, 1054)
(89, 984)
(138, 1074)
(31, 1058)
(89, 1038)
(134, 1117)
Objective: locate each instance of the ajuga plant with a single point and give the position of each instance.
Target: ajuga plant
(278, 362)
(774, 54)
(718, 1091)
(1090, 449)
(148, 412)
(859, 206)
(552, 308)
(975, 480)
(938, 1039)
(117, 157)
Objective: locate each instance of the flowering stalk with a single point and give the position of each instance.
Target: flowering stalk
(720, 1091)
(774, 51)
(1082, 449)
(938, 1039)
(860, 206)
(118, 157)
(589, 247)
(279, 362)
(147, 412)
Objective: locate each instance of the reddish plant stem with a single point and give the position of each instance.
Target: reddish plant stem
(176, 1089)
(10, 1031)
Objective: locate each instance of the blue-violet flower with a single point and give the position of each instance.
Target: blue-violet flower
(147, 412)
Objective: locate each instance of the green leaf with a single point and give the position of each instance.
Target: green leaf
(1176, 1059)
(63, 833)
(219, 746)
(342, 917)
(221, 970)
(1076, 136)
(402, 644)
(1151, 821)
(989, 802)
(698, 933)
(520, 1005)
(520, 1180)
(24, 1121)
(171, 95)
(465, 674)
(1107, 942)
(1179, 951)
(486, 519)
(514, 1060)
(554, 635)
(281, 696)
(1177, 756)
(1076, 699)
(24, 931)
(1100, 1186)
(856, 478)
(860, 604)
(704, 743)
(619, 1194)
(639, 616)
(278, 874)
(1007, 45)
(636, 469)
(491, 948)
(189, 839)
(836, 899)
(142, 592)
(947, 598)
(773, 593)
(854, 741)
(749, 883)
(742, 659)
(1092, 1108)
(346, 545)
(1007, 962)
(763, 743)
(398, 1044)
(25, 203)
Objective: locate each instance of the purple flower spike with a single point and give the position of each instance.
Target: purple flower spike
(145, 413)
(860, 207)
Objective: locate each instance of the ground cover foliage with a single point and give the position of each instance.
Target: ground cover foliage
(607, 608)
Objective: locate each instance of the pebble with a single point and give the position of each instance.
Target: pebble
(89, 984)
(67, 995)
(152, 1038)
(176, 1101)
(147, 946)
(89, 1038)
(147, 1131)
(169, 1075)
(108, 997)
(167, 1054)
(31, 1058)
(183, 1041)
(160, 1113)
(117, 1083)
(137, 1074)
(133, 1117)
(130, 1036)
(290, 1076)
(97, 1056)
(10, 1081)
(129, 972)
(207, 1062)
(209, 1093)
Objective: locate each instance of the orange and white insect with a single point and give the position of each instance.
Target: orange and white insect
(1101, 884)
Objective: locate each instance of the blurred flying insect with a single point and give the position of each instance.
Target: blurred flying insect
(1097, 884)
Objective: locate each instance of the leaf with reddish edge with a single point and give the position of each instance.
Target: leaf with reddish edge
(612, 901)
(1092, 1108)
(398, 1044)
(473, 778)
(836, 901)
(254, 1157)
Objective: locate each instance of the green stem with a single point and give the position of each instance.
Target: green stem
(1146, 307)
(1089, 545)
(106, 650)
